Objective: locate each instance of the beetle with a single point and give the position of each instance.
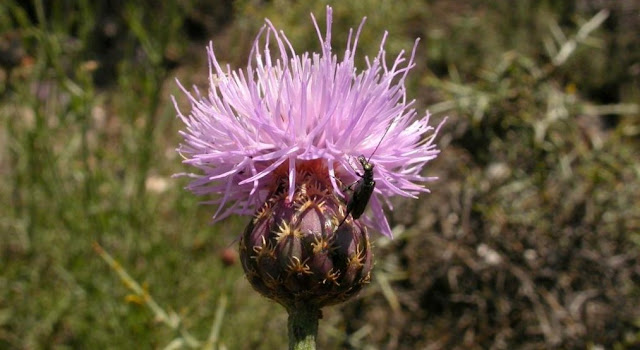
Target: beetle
(362, 191)
(364, 187)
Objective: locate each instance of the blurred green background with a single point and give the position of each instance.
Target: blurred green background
(529, 240)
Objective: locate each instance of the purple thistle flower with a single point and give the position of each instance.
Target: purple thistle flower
(256, 126)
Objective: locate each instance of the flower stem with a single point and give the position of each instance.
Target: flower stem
(303, 326)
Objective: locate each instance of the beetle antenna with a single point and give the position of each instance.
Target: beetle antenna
(379, 142)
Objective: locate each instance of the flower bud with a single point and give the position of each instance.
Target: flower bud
(293, 250)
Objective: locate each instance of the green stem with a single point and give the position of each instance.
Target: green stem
(303, 326)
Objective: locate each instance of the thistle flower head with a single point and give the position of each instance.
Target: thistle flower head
(253, 130)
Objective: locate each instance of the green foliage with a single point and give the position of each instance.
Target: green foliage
(540, 167)
(87, 154)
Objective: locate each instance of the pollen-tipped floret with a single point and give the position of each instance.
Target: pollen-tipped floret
(295, 250)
